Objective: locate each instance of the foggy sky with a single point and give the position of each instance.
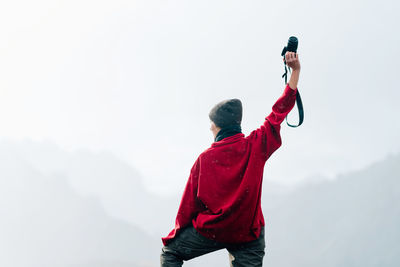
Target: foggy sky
(138, 78)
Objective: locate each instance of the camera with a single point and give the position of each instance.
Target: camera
(291, 46)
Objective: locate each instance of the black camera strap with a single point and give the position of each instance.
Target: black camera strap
(299, 103)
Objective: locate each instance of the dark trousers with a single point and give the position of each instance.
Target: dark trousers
(190, 244)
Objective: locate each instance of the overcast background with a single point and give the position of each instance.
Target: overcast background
(110, 101)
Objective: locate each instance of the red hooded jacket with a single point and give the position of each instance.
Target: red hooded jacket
(222, 198)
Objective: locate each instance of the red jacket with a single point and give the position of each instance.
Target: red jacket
(222, 198)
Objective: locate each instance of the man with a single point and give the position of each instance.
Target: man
(221, 204)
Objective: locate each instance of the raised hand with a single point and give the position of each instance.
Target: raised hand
(292, 60)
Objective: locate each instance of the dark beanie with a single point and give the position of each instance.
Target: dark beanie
(227, 113)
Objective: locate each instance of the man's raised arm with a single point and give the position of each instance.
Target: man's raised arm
(268, 137)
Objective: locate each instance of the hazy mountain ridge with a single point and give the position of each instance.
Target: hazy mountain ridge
(116, 184)
(45, 223)
(350, 221)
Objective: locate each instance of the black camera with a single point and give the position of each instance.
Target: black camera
(291, 46)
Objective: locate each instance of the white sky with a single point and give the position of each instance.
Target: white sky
(138, 78)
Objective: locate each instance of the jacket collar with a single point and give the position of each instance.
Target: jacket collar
(227, 132)
(228, 140)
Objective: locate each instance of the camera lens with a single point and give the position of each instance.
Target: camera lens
(292, 44)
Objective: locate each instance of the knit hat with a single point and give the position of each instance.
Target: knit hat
(227, 113)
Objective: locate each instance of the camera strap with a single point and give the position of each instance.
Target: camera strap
(299, 103)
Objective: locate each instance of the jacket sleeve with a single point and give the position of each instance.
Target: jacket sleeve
(190, 205)
(267, 138)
